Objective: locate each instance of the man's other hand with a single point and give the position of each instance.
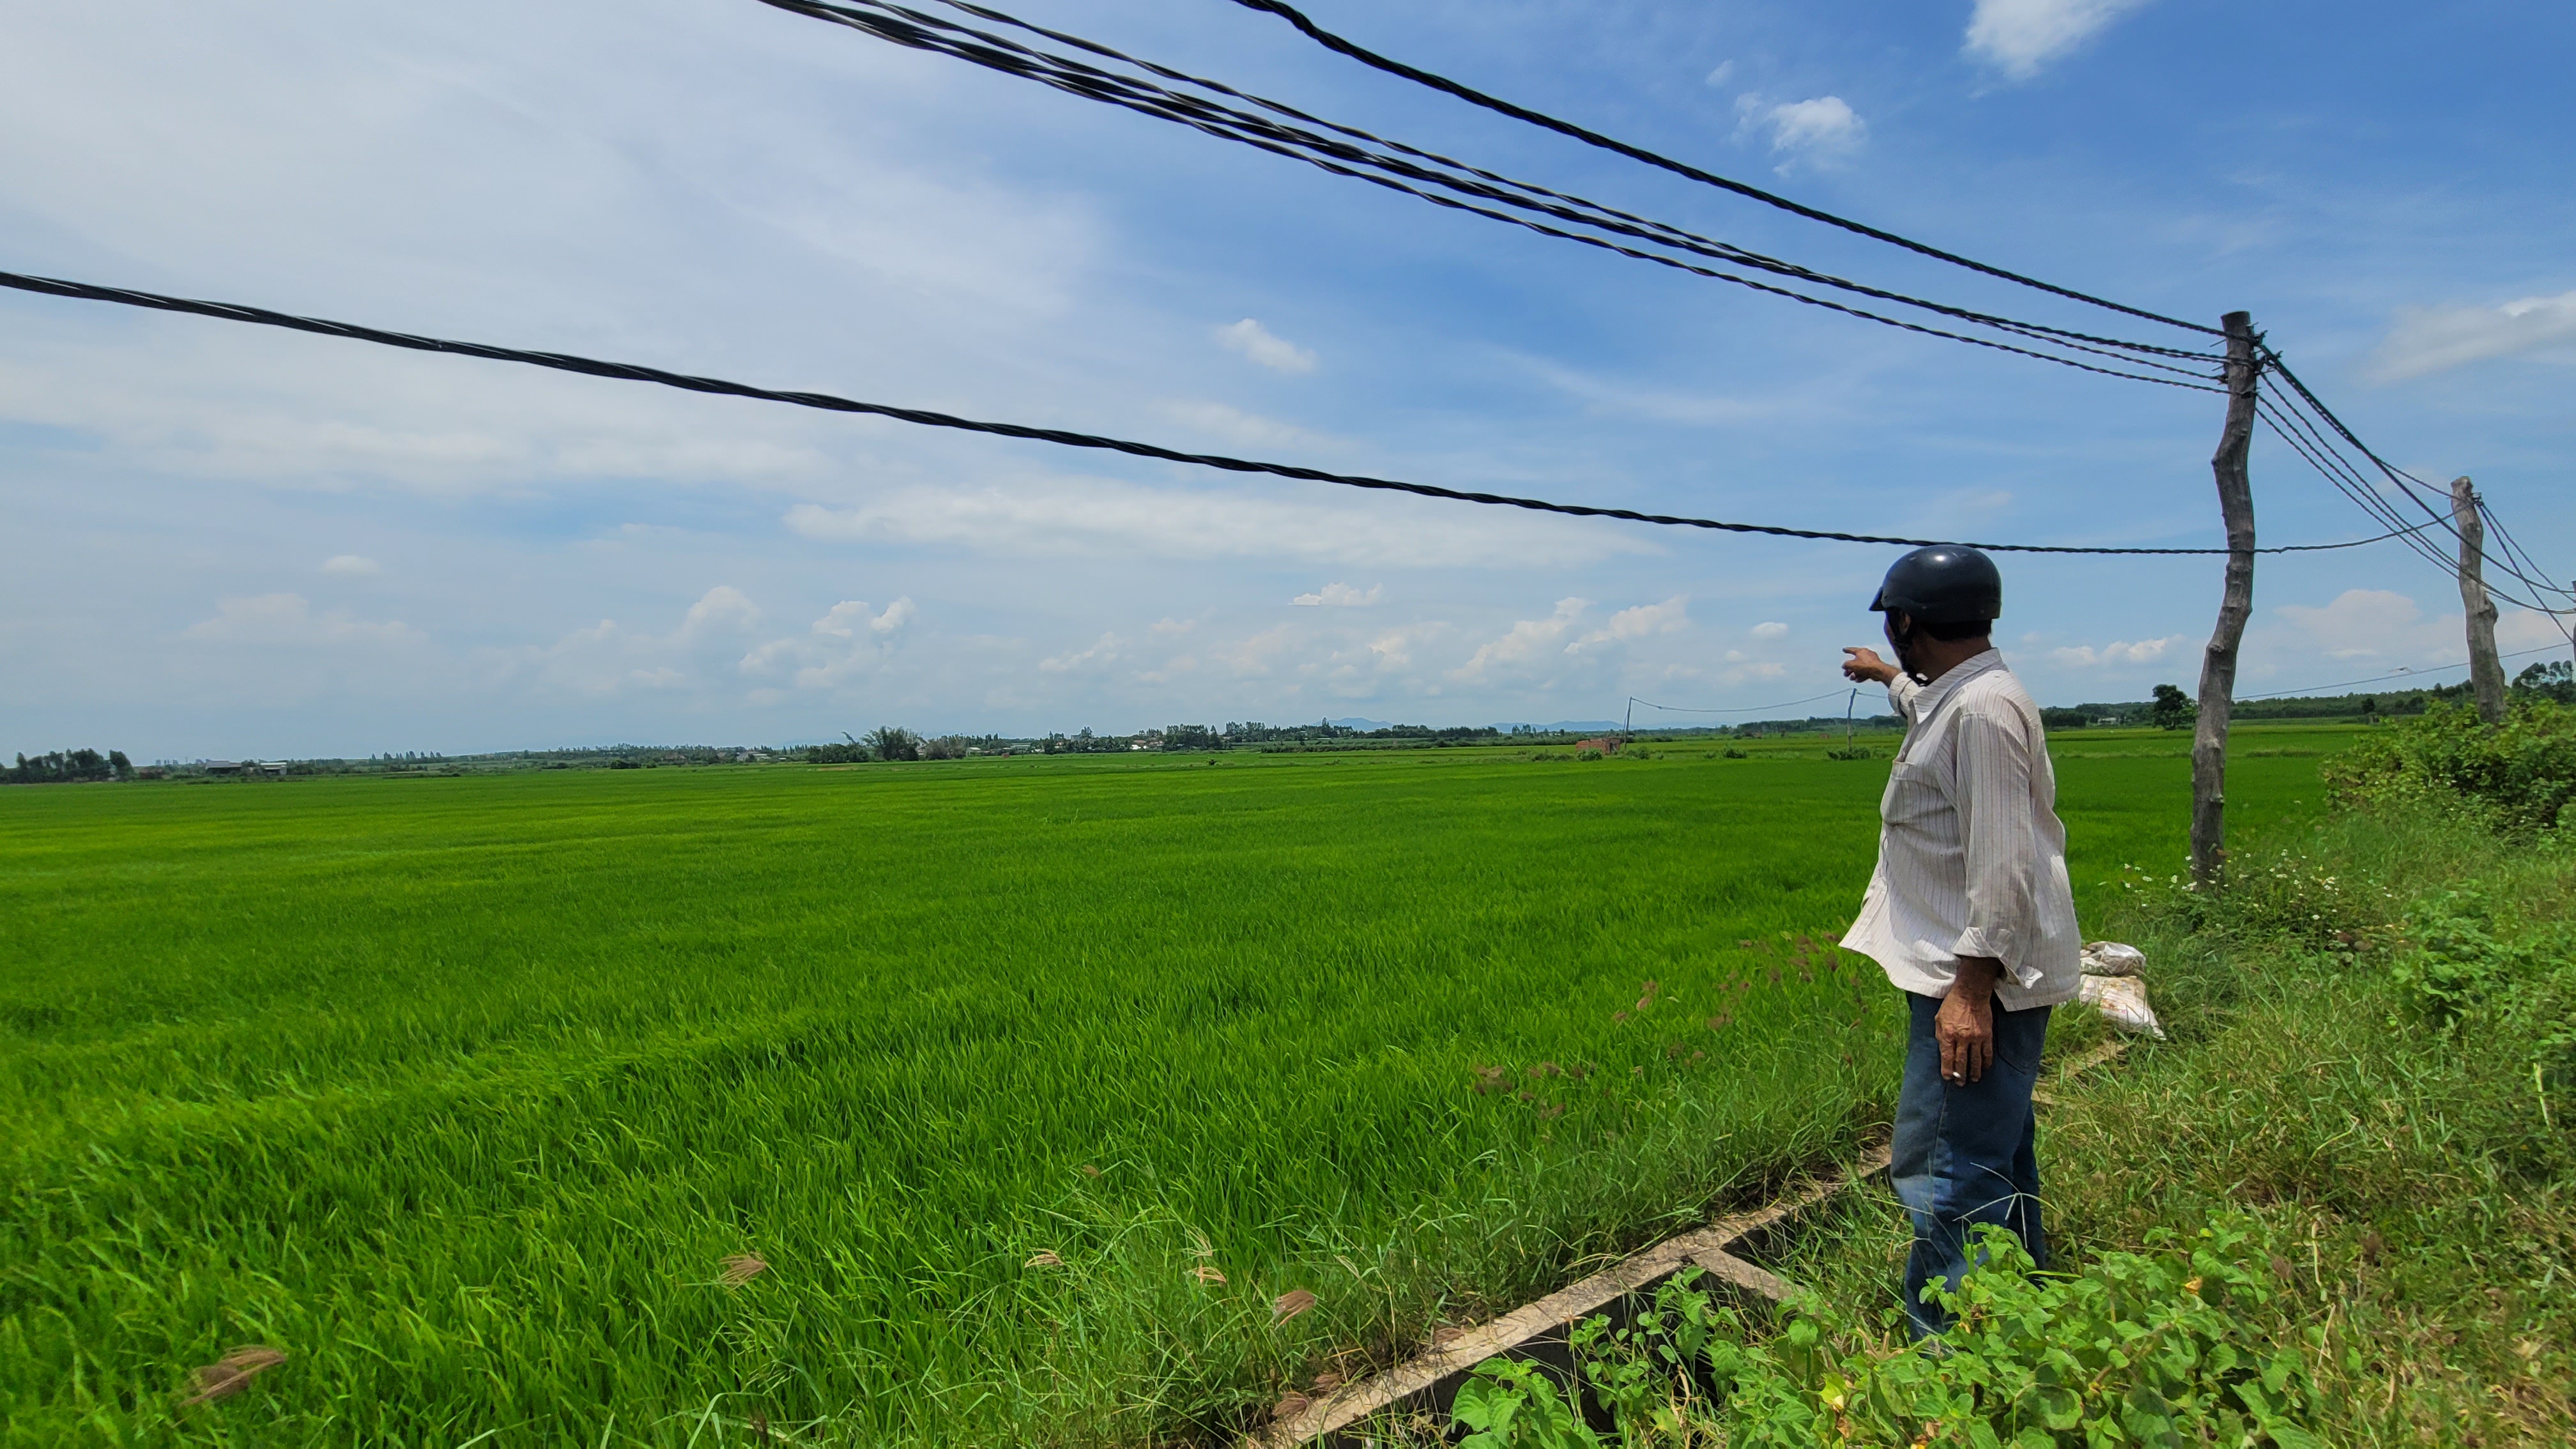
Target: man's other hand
(1865, 667)
(1965, 1025)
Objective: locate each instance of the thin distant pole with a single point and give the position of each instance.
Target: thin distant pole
(1848, 706)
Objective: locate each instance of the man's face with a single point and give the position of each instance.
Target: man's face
(1899, 629)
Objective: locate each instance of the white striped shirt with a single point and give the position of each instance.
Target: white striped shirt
(1971, 854)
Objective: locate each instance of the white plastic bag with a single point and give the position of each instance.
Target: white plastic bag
(2123, 1001)
(2110, 958)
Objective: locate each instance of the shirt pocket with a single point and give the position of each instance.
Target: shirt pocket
(1913, 792)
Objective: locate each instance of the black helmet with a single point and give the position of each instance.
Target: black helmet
(1948, 583)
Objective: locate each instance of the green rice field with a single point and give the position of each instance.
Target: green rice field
(1034, 1083)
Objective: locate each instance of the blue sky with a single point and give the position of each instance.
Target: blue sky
(226, 541)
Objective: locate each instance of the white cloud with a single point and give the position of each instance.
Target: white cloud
(1725, 72)
(1821, 132)
(1340, 596)
(2143, 651)
(722, 607)
(605, 658)
(289, 619)
(1524, 642)
(1637, 623)
(352, 564)
(1106, 650)
(847, 641)
(2433, 339)
(850, 615)
(1265, 347)
(2018, 37)
(1087, 515)
(1772, 630)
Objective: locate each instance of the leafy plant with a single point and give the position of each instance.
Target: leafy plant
(2519, 774)
(1510, 1404)
(2157, 1348)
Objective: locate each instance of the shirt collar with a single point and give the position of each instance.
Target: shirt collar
(1942, 688)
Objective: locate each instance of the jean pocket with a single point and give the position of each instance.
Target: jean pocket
(2020, 1037)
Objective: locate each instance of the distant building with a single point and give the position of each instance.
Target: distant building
(1605, 745)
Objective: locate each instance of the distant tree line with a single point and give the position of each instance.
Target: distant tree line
(2554, 680)
(69, 767)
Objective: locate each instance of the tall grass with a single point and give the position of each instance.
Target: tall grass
(1033, 1085)
(2415, 1176)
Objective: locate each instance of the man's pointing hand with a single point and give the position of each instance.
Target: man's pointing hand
(1865, 667)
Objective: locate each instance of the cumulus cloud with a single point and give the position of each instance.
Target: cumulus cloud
(1265, 347)
(289, 619)
(1340, 596)
(2435, 339)
(605, 657)
(851, 638)
(2378, 625)
(2142, 651)
(1637, 623)
(1526, 641)
(1822, 132)
(1108, 649)
(353, 565)
(2019, 37)
(1772, 630)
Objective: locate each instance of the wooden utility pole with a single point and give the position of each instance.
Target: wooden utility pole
(2218, 662)
(2486, 671)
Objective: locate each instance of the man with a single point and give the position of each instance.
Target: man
(1969, 913)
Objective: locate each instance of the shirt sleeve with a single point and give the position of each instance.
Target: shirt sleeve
(1900, 696)
(2000, 839)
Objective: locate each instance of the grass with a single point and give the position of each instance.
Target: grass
(463, 1092)
(2417, 1193)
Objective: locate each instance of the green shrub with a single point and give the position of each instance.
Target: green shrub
(2522, 986)
(2519, 774)
(2172, 1346)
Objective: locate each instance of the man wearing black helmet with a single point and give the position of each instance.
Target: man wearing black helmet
(1969, 912)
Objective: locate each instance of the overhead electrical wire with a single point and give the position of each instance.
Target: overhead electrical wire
(916, 29)
(635, 372)
(1589, 137)
(2318, 432)
(2515, 564)
(2400, 674)
(1728, 249)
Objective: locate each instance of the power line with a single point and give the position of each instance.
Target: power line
(1661, 230)
(2400, 674)
(2321, 452)
(900, 25)
(635, 372)
(1729, 250)
(1472, 96)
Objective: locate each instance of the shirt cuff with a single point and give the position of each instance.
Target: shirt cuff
(1996, 943)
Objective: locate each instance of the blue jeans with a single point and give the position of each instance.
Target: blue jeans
(1964, 1153)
